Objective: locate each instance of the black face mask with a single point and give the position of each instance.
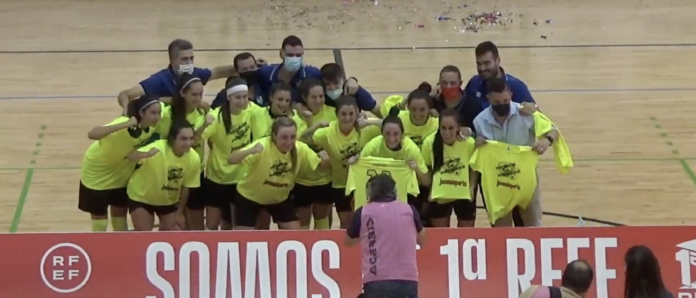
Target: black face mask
(251, 77)
(501, 109)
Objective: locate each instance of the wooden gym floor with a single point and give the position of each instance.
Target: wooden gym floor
(612, 74)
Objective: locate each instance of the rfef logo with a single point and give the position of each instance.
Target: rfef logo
(65, 268)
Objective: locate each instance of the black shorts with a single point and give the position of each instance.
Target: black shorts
(97, 202)
(197, 199)
(152, 209)
(305, 196)
(343, 202)
(246, 211)
(219, 195)
(464, 209)
(421, 198)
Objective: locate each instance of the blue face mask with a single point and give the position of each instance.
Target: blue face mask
(292, 64)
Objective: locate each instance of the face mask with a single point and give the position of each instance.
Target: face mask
(501, 109)
(186, 68)
(292, 64)
(251, 77)
(334, 94)
(450, 93)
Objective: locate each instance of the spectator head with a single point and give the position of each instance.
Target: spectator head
(577, 277)
(643, 277)
(381, 188)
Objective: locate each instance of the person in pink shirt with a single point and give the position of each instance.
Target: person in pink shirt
(387, 231)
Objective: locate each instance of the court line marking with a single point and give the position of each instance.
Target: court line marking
(597, 90)
(396, 48)
(682, 161)
(21, 201)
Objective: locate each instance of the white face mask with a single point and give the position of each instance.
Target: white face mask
(186, 68)
(334, 94)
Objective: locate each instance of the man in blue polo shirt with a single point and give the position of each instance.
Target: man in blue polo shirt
(292, 71)
(163, 83)
(246, 65)
(334, 79)
(488, 66)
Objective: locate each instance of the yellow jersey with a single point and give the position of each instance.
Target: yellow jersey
(367, 167)
(418, 133)
(508, 176)
(158, 180)
(262, 122)
(319, 177)
(451, 181)
(340, 147)
(196, 118)
(272, 177)
(408, 151)
(223, 143)
(104, 165)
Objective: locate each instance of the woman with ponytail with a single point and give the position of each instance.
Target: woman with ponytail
(185, 106)
(230, 131)
(262, 119)
(276, 161)
(104, 173)
(342, 139)
(447, 156)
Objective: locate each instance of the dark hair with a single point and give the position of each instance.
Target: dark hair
(177, 126)
(178, 102)
(177, 46)
(307, 85)
(332, 72)
(242, 56)
(346, 100)
(278, 87)
(643, 277)
(225, 107)
(381, 188)
(438, 144)
(422, 92)
(277, 125)
(452, 68)
(292, 41)
(496, 85)
(393, 117)
(577, 276)
(486, 47)
(139, 104)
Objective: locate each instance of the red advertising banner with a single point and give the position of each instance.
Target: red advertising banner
(469, 263)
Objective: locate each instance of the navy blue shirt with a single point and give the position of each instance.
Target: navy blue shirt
(476, 89)
(163, 83)
(268, 75)
(353, 230)
(364, 99)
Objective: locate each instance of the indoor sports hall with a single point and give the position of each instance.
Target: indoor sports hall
(611, 74)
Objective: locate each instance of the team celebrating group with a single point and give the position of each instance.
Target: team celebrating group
(289, 141)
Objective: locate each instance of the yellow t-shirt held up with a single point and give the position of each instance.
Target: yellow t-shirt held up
(451, 181)
(218, 168)
(508, 176)
(367, 167)
(408, 151)
(104, 165)
(340, 147)
(270, 177)
(158, 179)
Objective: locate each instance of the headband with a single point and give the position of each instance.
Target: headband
(148, 104)
(189, 82)
(238, 88)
